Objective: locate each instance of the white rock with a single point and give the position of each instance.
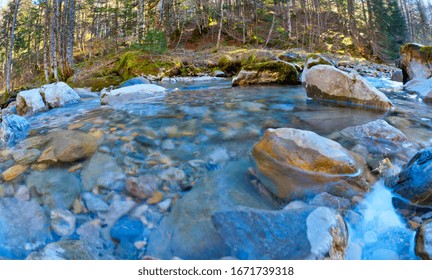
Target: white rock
(132, 94)
(30, 102)
(63, 222)
(422, 87)
(59, 94)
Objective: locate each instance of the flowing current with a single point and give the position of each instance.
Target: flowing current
(205, 125)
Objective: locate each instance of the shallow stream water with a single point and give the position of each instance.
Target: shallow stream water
(199, 128)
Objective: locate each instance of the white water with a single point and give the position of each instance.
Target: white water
(378, 233)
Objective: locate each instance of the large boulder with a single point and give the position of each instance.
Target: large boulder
(29, 102)
(55, 188)
(414, 182)
(295, 163)
(328, 83)
(305, 233)
(424, 241)
(71, 145)
(23, 228)
(416, 62)
(381, 138)
(311, 61)
(58, 95)
(421, 87)
(188, 232)
(264, 73)
(13, 129)
(132, 94)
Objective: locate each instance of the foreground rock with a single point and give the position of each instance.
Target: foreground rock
(71, 145)
(328, 83)
(414, 181)
(416, 62)
(187, 232)
(271, 72)
(294, 163)
(13, 129)
(305, 233)
(132, 94)
(64, 250)
(25, 228)
(102, 171)
(381, 138)
(421, 87)
(424, 241)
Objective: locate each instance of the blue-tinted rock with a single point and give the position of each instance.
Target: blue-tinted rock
(414, 182)
(55, 188)
(64, 250)
(13, 129)
(128, 229)
(23, 227)
(305, 233)
(134, 81)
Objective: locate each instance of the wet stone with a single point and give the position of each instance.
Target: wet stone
(14, 172)
(62, 222)
(94, 203)
(25, 156)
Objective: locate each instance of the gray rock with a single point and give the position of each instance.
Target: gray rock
(132, 94)
(30, 102)
(72, 145)
(325, 82)
(24, 228)
(168, 144)
(94, 203)
(421, 87)
(58, 95)
(424, 241)
(311, 61)
(306, 233)
(331, 201)
(24, 157)
(173, 174)
(117, 208)
(22, 193)
(397, 76)
(134, 81)
(99, 166)
(13, 129)
(55, 188)
(62, 222)
(187, 231)
(415, 62)
(143, 186)
(64, 250)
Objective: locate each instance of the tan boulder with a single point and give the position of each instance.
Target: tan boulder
(71, 145)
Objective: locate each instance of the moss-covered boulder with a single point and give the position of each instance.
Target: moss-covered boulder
(416, 62)
(264, 73)
(311, 61)
(136, 63)
(96, 83)
(232, 62)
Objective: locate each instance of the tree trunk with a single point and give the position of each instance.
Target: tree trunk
(289, 28)
(220, 24)
(11, 45)
(271, 30)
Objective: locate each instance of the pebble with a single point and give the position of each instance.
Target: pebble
(14, 172)
(75, 168)
(22, 193)
(48, 156)
(156, 198)
(165, 205)
(24, 157)
(173, 174)
(63, 222)
(94, 203)
(168, 144)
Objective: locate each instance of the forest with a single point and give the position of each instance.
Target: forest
(42, 40)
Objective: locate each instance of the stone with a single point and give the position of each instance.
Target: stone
(423, 246)
(270, 72)
(428, 97)
(165, 205)
(99, 166)
(25, 227)
(64, 250)
(289, 56)
(118, 207)
(132, 94)
(127, 228)
(30, 102)
(62, 222)
(306, 233)
(72, 145)
(421, 87)
(48, 156)
(414, 181)
(295, 163)
(168, 144)
(397, 76)
(218, 73)
(134, 81)
(25, 156)
(416, 61)
(58, 95)
(155, 198)
(311, 61)
(331, 201)
(145, 141)
(187, 231)
(173, 174)
(55, 187)
(94, 203)
(13, 129)
(143, 186)
(22, 193)
(14, 172)
(35, 142)
(324, 82)
(381, 138)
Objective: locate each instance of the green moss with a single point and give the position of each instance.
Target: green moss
(316, 59)
(229, 65)
(135, 63)
(97, 83)
(426, 51)
(287, 73)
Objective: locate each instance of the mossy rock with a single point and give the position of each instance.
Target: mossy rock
(422, 56)
(135, 63)
(417, 51)
(270, 72)
(97, 83)
(233, 62)
(316, 59)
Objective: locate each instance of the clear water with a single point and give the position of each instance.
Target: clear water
(212, 122)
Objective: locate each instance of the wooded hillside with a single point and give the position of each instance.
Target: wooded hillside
(42, 40)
